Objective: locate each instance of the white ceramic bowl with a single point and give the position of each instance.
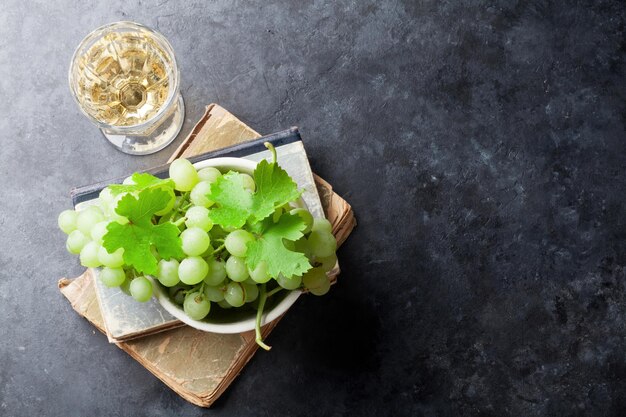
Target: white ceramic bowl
(238, 323)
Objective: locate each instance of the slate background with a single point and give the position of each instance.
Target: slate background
(482, 145)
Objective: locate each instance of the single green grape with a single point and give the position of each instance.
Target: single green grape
(323, 225)
(251, 291)
(87, 219)
(248, 182)
(217, 272)
(224, 304)
(235, 294)
(327, 262)
(99, 230)
(236, 269)
(236, 242)
(260, 274)
(105, 201)
(195, 241)
(112, 277)
(196, 305)
(322, 243)
(315, 281)
(167, 272)
(198, 216)
(214, 294)
(89, 255)
(209, 174)
(76, 241)
(67, 221)
(193, 270)
(184, 175)
(322, 289)
(141, 289)
(199, 194)
(112, 260)
(289, 283)
(306, 217)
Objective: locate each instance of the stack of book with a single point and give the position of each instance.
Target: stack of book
(198, 365)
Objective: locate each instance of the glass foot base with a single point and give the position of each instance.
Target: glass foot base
(155, 140)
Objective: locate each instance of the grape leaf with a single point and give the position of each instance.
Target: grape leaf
(234, 205)
(232, 201)
(140, 234)
(274, 188)
(269, 247)
(141, 181)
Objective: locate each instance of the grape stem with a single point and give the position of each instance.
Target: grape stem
(219, 248)
(274, 291)
(180, 221)
(271, 148)
(259, 314)
(184, 198)
(184, 209)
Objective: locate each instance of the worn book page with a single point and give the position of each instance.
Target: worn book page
(197, 365)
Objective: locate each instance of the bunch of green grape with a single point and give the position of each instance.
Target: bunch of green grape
(213, 269)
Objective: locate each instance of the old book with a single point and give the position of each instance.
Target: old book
(215, 359)
(125, 319)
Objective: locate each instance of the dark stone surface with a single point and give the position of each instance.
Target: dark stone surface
(481, 144)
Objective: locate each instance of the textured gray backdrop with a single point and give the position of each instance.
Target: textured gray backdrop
(482, 145)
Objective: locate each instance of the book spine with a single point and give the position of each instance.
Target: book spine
(90, 192)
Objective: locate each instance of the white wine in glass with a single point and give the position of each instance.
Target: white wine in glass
(125, 79)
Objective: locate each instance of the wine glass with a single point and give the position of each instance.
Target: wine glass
(125, 79)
